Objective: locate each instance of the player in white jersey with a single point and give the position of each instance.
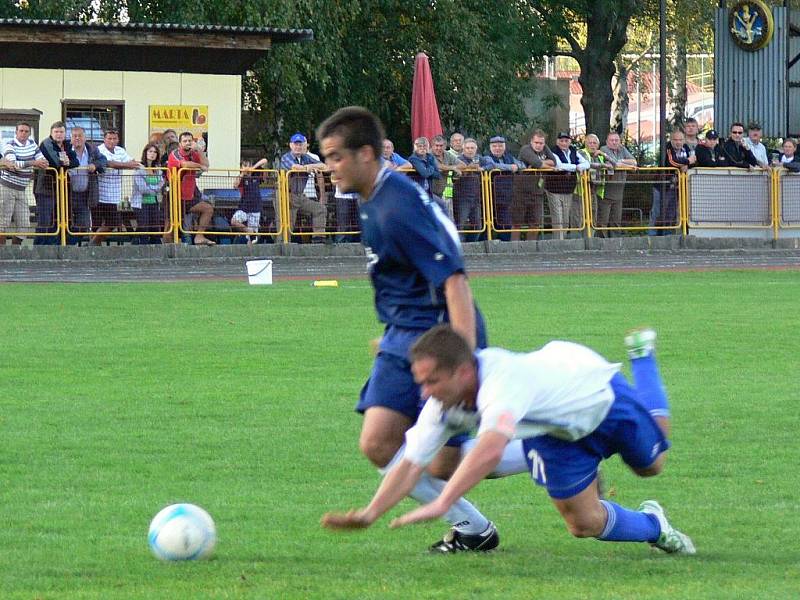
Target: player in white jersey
(571, 408)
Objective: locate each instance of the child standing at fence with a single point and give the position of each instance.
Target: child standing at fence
(147, 184)
(247, 217)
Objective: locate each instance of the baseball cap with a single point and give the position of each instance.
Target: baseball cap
(712, 134)
(497, 138)
(298, 137)
(563, 134)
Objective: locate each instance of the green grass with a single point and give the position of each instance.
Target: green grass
(116, 400)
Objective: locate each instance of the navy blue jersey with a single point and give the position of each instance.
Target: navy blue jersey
(412, 248)
(250, 189)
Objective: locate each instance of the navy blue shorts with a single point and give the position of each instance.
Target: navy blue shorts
(567, 468)
(391, 383)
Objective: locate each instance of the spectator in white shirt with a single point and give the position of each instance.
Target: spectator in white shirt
(753, 143)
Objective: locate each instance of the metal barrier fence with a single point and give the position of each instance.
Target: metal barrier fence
(225, 204)
(787, 188)
(233, 205)
(133, 203)
(731, 198)
(628, 200)
(30, 205)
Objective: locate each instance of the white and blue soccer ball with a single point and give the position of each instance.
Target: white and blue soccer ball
(182, 532)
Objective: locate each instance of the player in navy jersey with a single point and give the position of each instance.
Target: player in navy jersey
(417, 271)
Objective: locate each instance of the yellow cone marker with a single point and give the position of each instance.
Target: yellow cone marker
(325, 283)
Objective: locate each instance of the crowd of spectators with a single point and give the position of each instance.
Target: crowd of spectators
(450, 174)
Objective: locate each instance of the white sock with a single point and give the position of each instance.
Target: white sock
(512, 462)
(462, 515)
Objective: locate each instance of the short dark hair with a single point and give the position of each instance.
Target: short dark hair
(539, 133)
(736, 124)
(185, 134)
(25, 123)
(753, 126)
(690, 120)
(111, 131)
(58, 124)
(443, 344)
(357, 126)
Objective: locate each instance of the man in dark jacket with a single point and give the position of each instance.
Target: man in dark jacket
(710, 153)
(59, 155)
(735, 152)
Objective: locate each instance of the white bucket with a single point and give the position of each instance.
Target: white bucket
(259, 272)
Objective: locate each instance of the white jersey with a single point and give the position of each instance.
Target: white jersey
(562, 390)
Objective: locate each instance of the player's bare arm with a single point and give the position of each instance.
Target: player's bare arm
(479, 463)
(460, 306)
(394, 487)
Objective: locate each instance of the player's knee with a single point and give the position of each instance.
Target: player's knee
(377, 450)
(654, 469)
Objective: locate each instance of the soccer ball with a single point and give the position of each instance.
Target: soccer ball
(182, 532)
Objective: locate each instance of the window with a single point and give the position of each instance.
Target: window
(95, 116)
(9, 119)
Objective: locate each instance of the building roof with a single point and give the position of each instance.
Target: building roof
(163, 47)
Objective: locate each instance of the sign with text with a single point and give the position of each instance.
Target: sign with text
(180, 117)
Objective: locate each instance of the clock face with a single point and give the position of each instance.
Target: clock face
(750, 24)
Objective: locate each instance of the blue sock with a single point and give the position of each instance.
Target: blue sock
(624, 525)
(649, 386)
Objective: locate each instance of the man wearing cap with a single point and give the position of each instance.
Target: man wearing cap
(499, 159)
(566, 208)
(302, 169)
(710, 153)
(753, 143)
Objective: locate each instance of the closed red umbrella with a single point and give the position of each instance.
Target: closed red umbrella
(425, 120)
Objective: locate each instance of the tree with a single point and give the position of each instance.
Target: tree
(363, 53)
(595, 32)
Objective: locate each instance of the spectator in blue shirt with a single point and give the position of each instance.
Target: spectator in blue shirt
(392, 159)
(303, 196)
(500, 159)
(424, 164)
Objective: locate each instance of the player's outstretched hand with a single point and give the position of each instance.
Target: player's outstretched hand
(423, 513)
(353, 519)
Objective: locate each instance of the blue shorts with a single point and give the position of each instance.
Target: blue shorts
(391, 383)
(567, 468)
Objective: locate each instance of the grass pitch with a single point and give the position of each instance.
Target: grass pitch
(118, 399)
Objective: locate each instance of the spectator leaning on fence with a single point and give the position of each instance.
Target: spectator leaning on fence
(500, 159)
(147, 184)
(690, 130)
(424, 164)
(109, 184)
(456, 145)
(753, 143)
(83, 192)
(664, 210)
(566, 209)
(302, 168)
(449, 167)
(189, 161)
(391, 159)
(709, 154)
(247, 217)
(21, 155)
(736, 153)
(620, 159)
(467, 191)
(597, 188)
(59, 155)
(789, 160)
